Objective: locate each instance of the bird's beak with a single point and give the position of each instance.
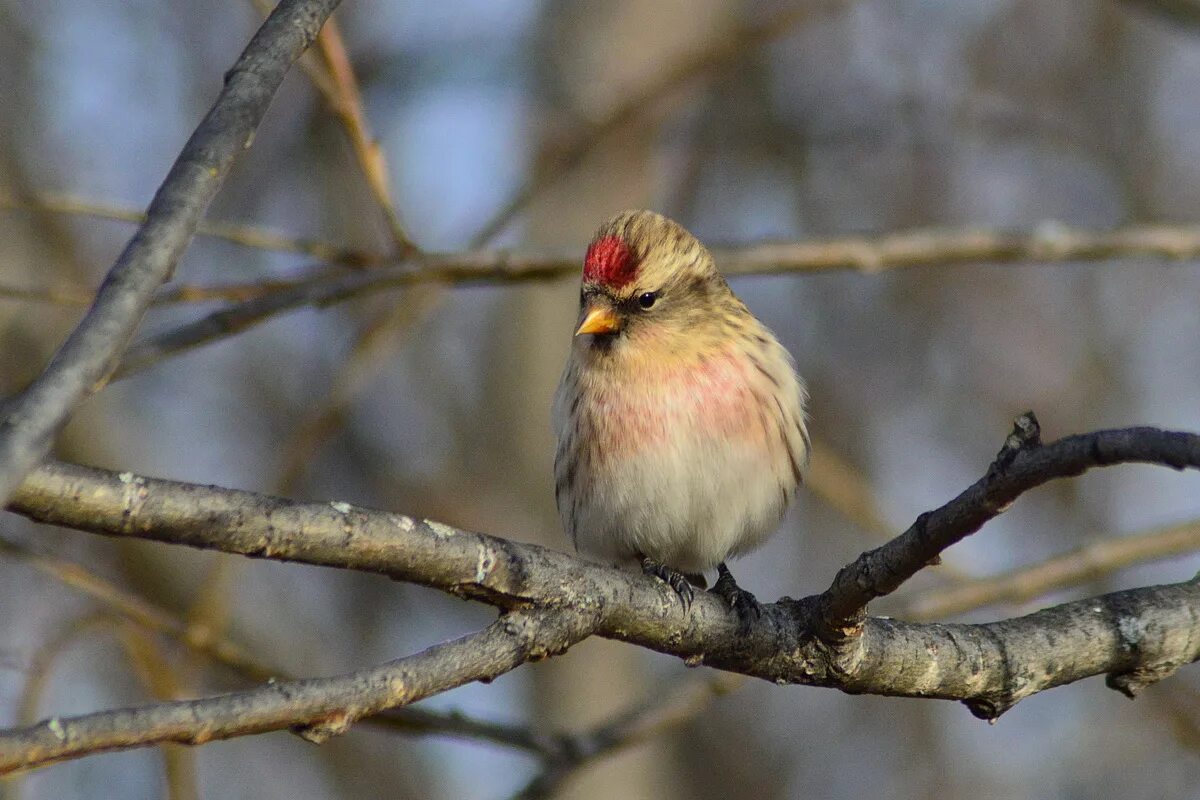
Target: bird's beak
(599, 320)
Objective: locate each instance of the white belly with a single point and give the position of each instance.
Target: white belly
(682, 474)
(689, 507)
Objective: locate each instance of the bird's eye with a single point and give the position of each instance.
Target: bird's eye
(647, 299)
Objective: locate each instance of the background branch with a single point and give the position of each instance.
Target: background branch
(569, 154)
(1085, 563)
(673, 707)
(90, 354)
(1049, 244)
(242, 234)
(859, 123)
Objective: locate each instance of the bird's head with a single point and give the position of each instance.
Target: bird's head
(646, 278)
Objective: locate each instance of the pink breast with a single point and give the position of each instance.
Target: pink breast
(714, 398)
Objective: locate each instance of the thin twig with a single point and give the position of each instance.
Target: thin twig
(667, 710)
(374, 342)
(65, 296)
(1048, 244)
(569, 154)
(152, 668)
(223, 651)
(332, 75)
(245, 235)
(1085, 563)
(345, 100)
(91, 353)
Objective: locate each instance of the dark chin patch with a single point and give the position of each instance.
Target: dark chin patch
(609, 262)
(604, 342)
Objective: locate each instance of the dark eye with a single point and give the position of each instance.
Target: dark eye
(647, 299)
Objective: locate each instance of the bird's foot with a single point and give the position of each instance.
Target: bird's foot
(673, 578)
(743, 603)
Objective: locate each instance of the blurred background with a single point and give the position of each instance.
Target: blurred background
(744, 121)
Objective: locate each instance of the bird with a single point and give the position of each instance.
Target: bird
(680, 419)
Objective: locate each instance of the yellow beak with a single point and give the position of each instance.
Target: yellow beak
(600, 320)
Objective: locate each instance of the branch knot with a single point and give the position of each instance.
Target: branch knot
(1026, 435)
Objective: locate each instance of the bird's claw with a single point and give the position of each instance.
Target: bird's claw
(743, 603)
(673, 578)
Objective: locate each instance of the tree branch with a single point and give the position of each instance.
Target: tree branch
(122, 604)
(317, 707)
(90, 354)
(242, 234)
(569, 154)
(345, 100)
(1049, 243)
(1068, 569)
(666, 710)
(1135, 637)
(1023, 463)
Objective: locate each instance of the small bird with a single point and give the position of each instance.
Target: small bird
(680, 418)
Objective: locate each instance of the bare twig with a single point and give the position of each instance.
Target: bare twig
(142, 612)
(679, 704)
(1023, 463)
(1048, 244)
(241, 234)
(64, 296)
(224, 652)
(332, 75)
(91, 353)
(569, 154)
(316, 708)
(1023, 584)
(152, 668)
(172, 294)
(345, 99)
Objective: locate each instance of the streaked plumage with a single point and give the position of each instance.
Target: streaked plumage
(680, 418)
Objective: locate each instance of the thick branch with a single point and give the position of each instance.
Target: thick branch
(321, 707)
(1136, 636)
(90, 354)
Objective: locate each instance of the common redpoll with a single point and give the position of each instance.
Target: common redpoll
(679, 416)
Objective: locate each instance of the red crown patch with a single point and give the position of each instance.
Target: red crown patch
(609, 262)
